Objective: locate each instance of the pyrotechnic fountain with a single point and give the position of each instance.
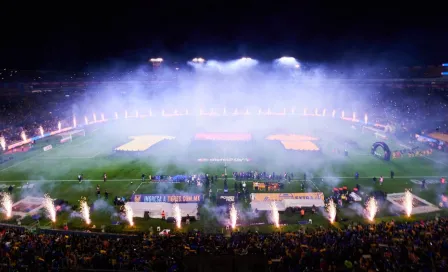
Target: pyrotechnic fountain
(85, 210)
(74, 121)
(324, 111)
(7, 204)
(3, 142)
(331, 209)
(304, 111)
(275, 215)
(342, 114)
(116, 115)
(23, 136)
(129, 214)
(233, 216)
(126, 114)
(50, 208)
(102, 117)
(365, 118)
(59, 125)
(408, 200)
(315, 111)
(177, 215)
(41, 131)
(136, 114)
(334, 113)
(94, 117)
(371, 208)
(86, 120)
(354, 116)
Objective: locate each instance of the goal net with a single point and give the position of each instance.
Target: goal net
(69, 135)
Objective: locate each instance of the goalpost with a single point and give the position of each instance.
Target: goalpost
(69, 135)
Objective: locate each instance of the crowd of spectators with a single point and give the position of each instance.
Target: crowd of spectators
(419, 246)
(408, 108)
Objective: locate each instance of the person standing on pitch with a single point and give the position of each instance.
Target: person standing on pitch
(104, 177)
(392, 174)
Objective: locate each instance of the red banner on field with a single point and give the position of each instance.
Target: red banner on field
(223, 137)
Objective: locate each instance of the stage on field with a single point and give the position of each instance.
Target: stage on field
(142, 143)
(263, 201)
(295, 142)
(27, 206)
(419, 204)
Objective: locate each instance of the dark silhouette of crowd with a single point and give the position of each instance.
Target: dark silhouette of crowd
(388, 246)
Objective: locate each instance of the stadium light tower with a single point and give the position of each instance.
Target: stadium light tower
(156, 62)
(198, 60)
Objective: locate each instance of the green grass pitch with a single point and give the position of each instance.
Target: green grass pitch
(55, 172)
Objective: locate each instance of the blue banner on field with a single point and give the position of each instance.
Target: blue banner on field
(168, 198)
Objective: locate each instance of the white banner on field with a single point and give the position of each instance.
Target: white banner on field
(48, 147)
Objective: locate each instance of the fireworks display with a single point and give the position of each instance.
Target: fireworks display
(129, 214)
(41, 131)
(366, 119)
(331, 209)
(86, 120)
(23, 136)
(50, 208)
(3, 142)
(177, 215)
(275, 215)
(102, 117)
(74, 121)
(233, 216)
(371, 208)
(408, 200)
(94, 117)
(85, 210)
(59, 125)
(7, 204)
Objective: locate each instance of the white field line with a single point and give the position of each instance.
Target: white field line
(136, 189)
(315, 186)
(139, 179)
(439, 162)
(83, 142)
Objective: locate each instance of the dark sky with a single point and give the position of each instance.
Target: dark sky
(77, 35)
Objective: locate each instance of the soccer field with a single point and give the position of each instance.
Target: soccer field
(55, 171)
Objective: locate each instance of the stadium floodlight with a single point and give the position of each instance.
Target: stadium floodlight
(198, 60)
(245, 58)
(158, 60)
(297, 66)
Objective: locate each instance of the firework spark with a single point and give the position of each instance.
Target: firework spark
(85, 210)
(408, 200)
(23, 136)
(3, 142)
(233, 216)
(129, 214)
(41, 131)
(50, 208)
(177, 215)
(371, 208)
(59, 125)
(331, 209)
(275, 215)
(7, 204)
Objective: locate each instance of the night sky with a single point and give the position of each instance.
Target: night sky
(82, 35)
